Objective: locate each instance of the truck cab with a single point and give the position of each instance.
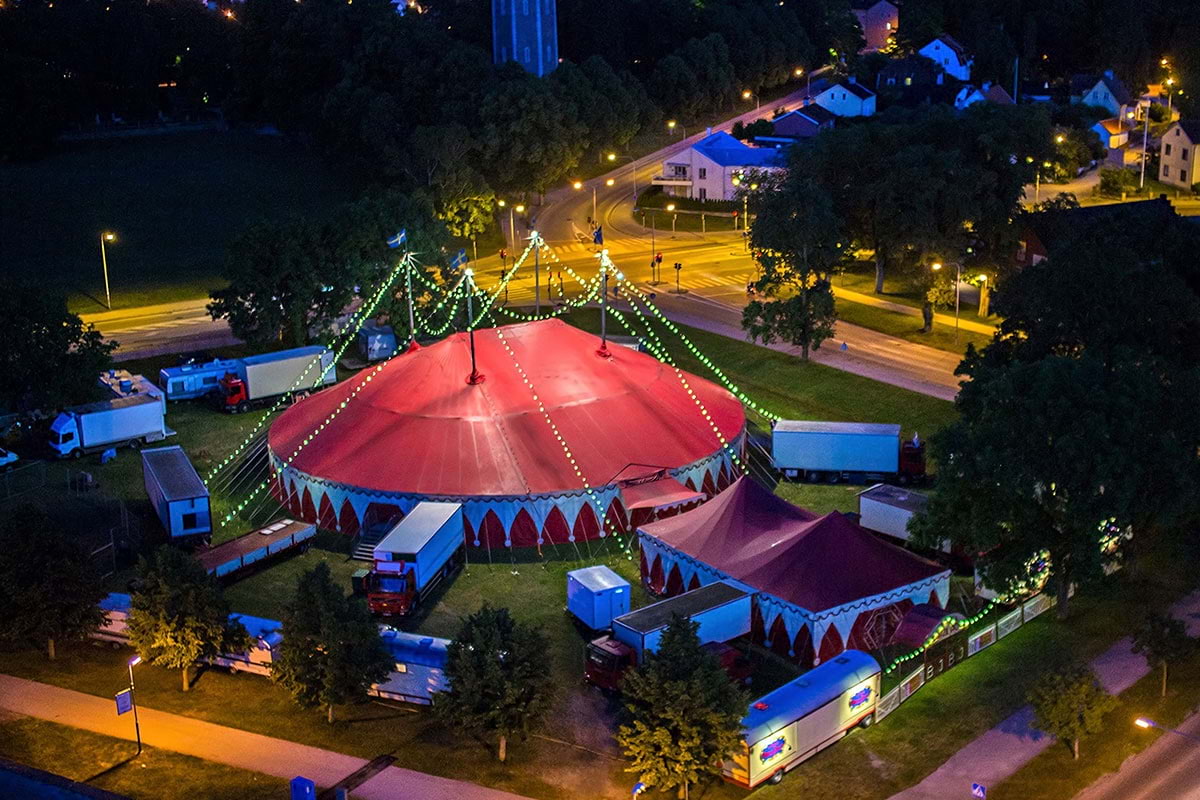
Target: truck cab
(64, 435)
(390, 594)
(608, 660)
(7, 459)
(231, 394)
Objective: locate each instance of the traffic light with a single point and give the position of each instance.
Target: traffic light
(503, 254)
(658, 258)
(678, 266)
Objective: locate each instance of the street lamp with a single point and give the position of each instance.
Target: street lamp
(110, 238)
(1143, 722)
(1170, 83)
(512, 228)
(747, 94)
(1037, 183)
(957, 291)
(579, 185)
(672, 125)
(674, 216)
(137, 728)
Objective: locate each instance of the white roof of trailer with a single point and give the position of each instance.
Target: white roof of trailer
(416, 529)
(860, 428)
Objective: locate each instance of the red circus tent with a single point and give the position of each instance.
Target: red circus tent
(823, 582)
(517, 448)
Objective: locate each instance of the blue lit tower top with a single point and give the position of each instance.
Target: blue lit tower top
(526, 31)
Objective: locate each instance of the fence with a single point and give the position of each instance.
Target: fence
(977, 640)
(21, 480)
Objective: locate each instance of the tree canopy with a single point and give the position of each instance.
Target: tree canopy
(331, 652)
(50, 358)
(499, 679)
(178, 614)
(1069, 704)
(1163, 640)
(48, 587)
(682, 714)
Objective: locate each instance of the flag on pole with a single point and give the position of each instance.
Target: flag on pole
(399, 239)
(459, 261)
(598, 236)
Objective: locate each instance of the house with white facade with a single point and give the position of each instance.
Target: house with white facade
(987, 93)
(879, 20)
(847, 98)
(950, 56)
(1178, 158)
(707, 169)
(1106, 91)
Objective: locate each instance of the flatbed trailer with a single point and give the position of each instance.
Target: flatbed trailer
(232, 556)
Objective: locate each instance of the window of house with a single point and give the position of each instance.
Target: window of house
(189, 521)
(703, 173)
(908, 81)
(1183, 153)
(703, 191)
(1168, 150)
(1166, 171)
(1183, 175)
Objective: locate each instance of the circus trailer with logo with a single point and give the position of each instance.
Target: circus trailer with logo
(421, 549)
(803, 717)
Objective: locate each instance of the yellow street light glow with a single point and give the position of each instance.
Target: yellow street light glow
(520, 209)
(671, 124)
(1170, 81)
(935, 266)
(609, 182)
(501, 203)
(983, 277)
(1060, 138)
(670, 206)
(578, 184)
(753, 186)
(109, 236)
(798, 71)
(1162, 63)
(1140, 721)
(612, 156)
(746, 94)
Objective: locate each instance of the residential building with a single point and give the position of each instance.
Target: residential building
(1112, 132)
(804, 122)
(910, 71)
(985, 93)
(707, 169)
(950, 56)
(847, 98)
(1106, 91)
(1177, 156)
(526, 31)
(879, 21)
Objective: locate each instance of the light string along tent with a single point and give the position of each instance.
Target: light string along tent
(261, 472)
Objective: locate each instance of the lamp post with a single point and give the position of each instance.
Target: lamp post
(579, 185)
(109, 237)
(1037, 183)
(672, 125)
(1143, 722)
(674, 216)
(957, 292)
(137, 728)
(613, 157)
(747, 94)
(799, 71)
(1170, 83)
(512, 228)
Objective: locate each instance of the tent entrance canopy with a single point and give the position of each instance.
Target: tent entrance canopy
(659, 495)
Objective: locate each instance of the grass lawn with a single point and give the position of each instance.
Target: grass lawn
(175, 202)
(1055, 775)
(660, 219)
(908, 327)
(107, 763)
(897, 289)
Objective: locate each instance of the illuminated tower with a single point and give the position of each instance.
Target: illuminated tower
(526, 31)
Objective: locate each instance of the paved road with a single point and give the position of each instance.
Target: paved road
(1169, 768)
(237, 748)
(1004, 749)
(166, 328)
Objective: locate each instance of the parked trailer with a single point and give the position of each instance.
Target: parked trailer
(226, 559)
(596, 595)
(175, 490)
(803, 717)
(853, 451)
(93, 427)
(267, 637)
(887, 509)
(376, 342)
(260, 379)
(414, 556)
(189, 381)
(721, 609)
(420, 667)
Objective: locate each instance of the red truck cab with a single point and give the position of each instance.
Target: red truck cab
(231, 393)
(608, 660)
(912, 461)
(390, 594)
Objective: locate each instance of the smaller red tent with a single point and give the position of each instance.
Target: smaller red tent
(823, 582)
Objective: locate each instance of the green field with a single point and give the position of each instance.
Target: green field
(104, 762)
(175, 202)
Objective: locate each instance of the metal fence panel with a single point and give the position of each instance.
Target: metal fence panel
(1036, 606)
(981, 639)
(1008, 623)
(914, 681)
(887, 704)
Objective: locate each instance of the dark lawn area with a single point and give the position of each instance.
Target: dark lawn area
(108, 763)
(175, 203)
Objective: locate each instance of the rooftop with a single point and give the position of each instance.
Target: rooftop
(729, 152)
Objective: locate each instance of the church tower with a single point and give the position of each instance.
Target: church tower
(526, 31)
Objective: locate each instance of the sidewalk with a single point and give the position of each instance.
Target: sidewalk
(231, 746)
(1007, 747)
(900, 308)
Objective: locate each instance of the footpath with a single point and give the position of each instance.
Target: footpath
(237, 748)
(900, 308)
(1007, 747)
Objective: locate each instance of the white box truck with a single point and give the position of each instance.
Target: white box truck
(887, 509)
(854, 451)
(803, 717)
(414, 556)
(93, 427)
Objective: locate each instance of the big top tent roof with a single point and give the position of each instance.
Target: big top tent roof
(815, 562)
(419, 428)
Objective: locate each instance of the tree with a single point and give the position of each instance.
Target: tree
(798, 239)
(683, 715)
(50, 358)
(1116, 181)
(331, 652)
(178, 614)
(1162, 639)
(48, 587)
(940, 294)
(1069, 704)
(499, 683)
(439, 159)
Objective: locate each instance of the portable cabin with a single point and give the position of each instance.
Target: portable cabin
(596, 595)
(178, 495)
